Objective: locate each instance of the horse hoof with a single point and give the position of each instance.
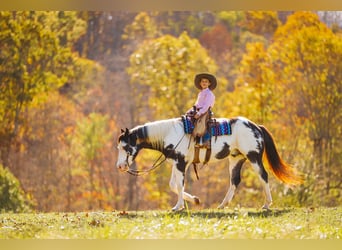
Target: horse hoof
(175, 209)
(197, 201)
(266, 207)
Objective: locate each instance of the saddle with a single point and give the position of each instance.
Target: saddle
(200, 129)
(212, 128)
(201, 125)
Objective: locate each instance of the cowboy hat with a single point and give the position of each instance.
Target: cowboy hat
(210, 77)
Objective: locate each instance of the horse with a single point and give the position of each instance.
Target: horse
(247, 141)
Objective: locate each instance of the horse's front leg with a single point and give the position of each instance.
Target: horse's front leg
(177, 186)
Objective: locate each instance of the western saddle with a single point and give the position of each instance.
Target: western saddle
(202, 136)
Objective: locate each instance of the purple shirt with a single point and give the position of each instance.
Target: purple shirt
(205, 99)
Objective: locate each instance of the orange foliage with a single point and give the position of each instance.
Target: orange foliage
(217, 40)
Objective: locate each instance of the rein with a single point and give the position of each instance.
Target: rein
(136, 172)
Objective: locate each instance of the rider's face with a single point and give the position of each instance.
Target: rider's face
(204, 83)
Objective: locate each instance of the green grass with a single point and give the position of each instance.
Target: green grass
(244, 223)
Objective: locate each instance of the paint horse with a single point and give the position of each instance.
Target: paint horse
(247, 141)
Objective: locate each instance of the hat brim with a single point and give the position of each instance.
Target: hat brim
(210, 77)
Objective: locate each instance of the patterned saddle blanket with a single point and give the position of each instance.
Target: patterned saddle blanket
(214, 128)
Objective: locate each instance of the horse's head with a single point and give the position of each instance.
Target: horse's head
(128, 150)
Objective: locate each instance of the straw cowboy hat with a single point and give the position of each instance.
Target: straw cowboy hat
(210, 77)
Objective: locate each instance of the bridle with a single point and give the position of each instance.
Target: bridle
(136, 172)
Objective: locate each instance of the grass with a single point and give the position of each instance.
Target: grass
(243, 223)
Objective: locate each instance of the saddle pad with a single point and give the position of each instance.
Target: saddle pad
(188, 125)
(216, 128)
(220, 128)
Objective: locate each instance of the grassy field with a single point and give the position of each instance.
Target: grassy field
(243, 223)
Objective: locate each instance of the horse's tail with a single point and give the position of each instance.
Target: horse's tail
(280, 169)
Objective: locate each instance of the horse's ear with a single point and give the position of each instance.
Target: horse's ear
(127, 131)
(122, 131)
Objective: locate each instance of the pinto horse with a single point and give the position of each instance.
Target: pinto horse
(247, 141)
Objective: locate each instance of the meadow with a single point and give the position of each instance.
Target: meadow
(239, 223)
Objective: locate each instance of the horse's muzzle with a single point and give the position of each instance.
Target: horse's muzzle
(123, 167)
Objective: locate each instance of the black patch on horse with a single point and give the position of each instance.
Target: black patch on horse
(142, 132)
(171, 153)
(236, 173)
(233, 121)
(255, 129)
(123, 137)
(129, 138)
(257, 133)
(128, 149)
(225, 151)
(256, 157)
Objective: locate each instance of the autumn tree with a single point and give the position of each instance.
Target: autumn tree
(217, 40)
(102, 34)
(176, 22)
(259, 84)
(32, 60)
(168, 65)
(143, 27)
(90, 137)
(229, 61)
(42, 162)
(310, 55)
(261, 22)
(13, 198)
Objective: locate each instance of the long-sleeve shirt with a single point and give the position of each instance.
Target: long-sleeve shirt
(205, 99)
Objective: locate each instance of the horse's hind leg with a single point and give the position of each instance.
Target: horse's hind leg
(235, 165)
(256, 160)
(177, 186)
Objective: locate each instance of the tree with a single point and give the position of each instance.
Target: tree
(217, 40)
(259, 80)
(176, 22)
(168, 66)
(13, 198)
(90, 137)
(309, 55)
(32, 60)
(261, 22)
(143, 27)
(43, 161)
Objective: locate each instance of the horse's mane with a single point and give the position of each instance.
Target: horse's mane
(157, 130)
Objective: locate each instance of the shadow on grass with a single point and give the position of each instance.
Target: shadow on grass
(232, 213)
(206, 214)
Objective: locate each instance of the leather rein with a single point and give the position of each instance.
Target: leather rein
(136, 172)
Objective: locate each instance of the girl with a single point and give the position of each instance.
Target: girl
(205, 99)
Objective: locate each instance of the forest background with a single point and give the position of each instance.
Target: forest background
(69, 81)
